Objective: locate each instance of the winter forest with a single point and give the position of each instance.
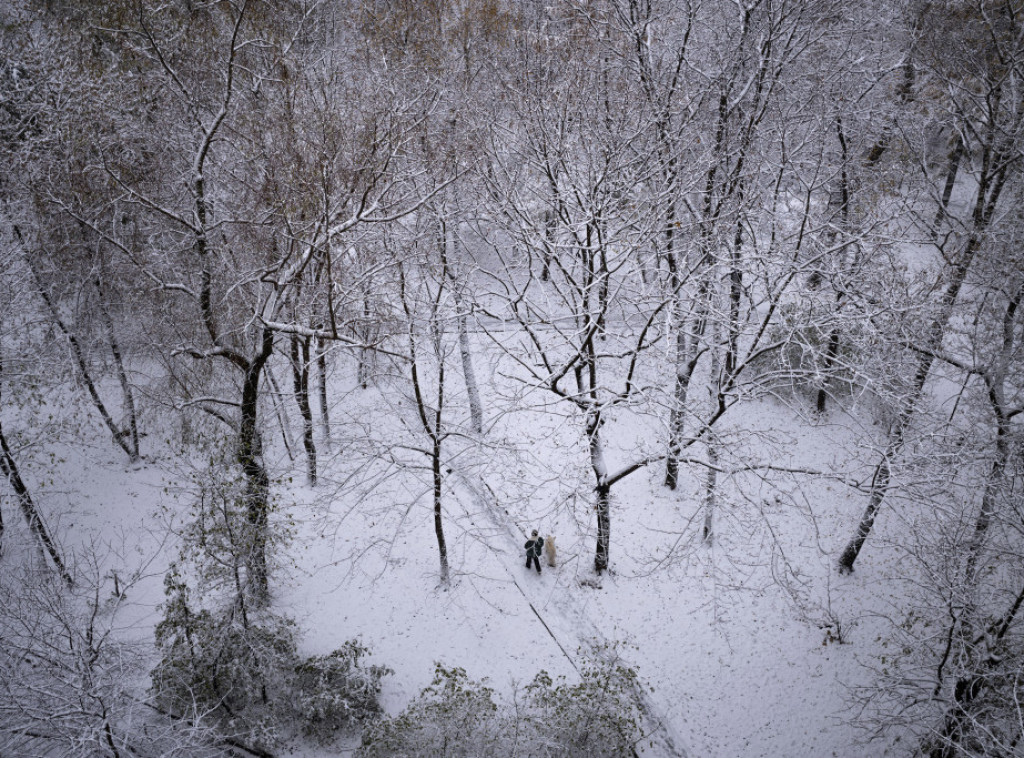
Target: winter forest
(312, 311)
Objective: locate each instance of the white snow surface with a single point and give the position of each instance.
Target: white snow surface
(730, 638)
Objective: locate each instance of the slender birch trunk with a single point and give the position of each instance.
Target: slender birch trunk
(476, 415)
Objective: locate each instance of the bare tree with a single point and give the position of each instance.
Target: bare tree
(588, 324)
(991, 122)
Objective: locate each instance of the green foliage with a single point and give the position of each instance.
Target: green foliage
(596, 717)
(235, 661)
(456, 716)
(217, 659)
(221, 539)
(335, 691)
(245, 669)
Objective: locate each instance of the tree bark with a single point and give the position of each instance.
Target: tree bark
(365, 353)
(602, 490)
(442, 547)
(684, 365)
(300, 381)
(476, 415)
(602, 502)
(711, 483)
(122, 375)
(9, 468)
(951, 172)
(832, 351)
(257, 489)
(321, 367)
(116, 432)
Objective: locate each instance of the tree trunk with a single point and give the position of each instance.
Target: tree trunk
(476, 415)
(279, 412)
(445, 242)
(897, 435)
(431, 419)
(996, 380)
(116, 433)
(257, 490)
(602, 490)
(442, 547)
(602, 502)
(832, 351)
(436, 439)
(990, 187)
(687, 356)
(951, 172)
(321, 366)
(122, 375)
(677, 417)
(300, 381)
(682, 379)
(711, 483)
(365, 353)
(9, 468)
(550, 222)
(879, 487)
(710, 492)
(735, 294)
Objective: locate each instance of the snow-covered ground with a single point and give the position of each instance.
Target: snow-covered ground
(736, 640)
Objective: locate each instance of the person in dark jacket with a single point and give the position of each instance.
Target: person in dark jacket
(533, 547)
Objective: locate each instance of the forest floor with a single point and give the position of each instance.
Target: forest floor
(751, 646)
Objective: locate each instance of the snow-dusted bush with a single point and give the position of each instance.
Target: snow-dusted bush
(814, 350)
(454, 717)
(246, 673)
(335, 691)
(230, 658)
(220, 658)
(597, 717)
(68, 677)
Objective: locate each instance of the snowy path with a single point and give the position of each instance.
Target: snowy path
(570, 621)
